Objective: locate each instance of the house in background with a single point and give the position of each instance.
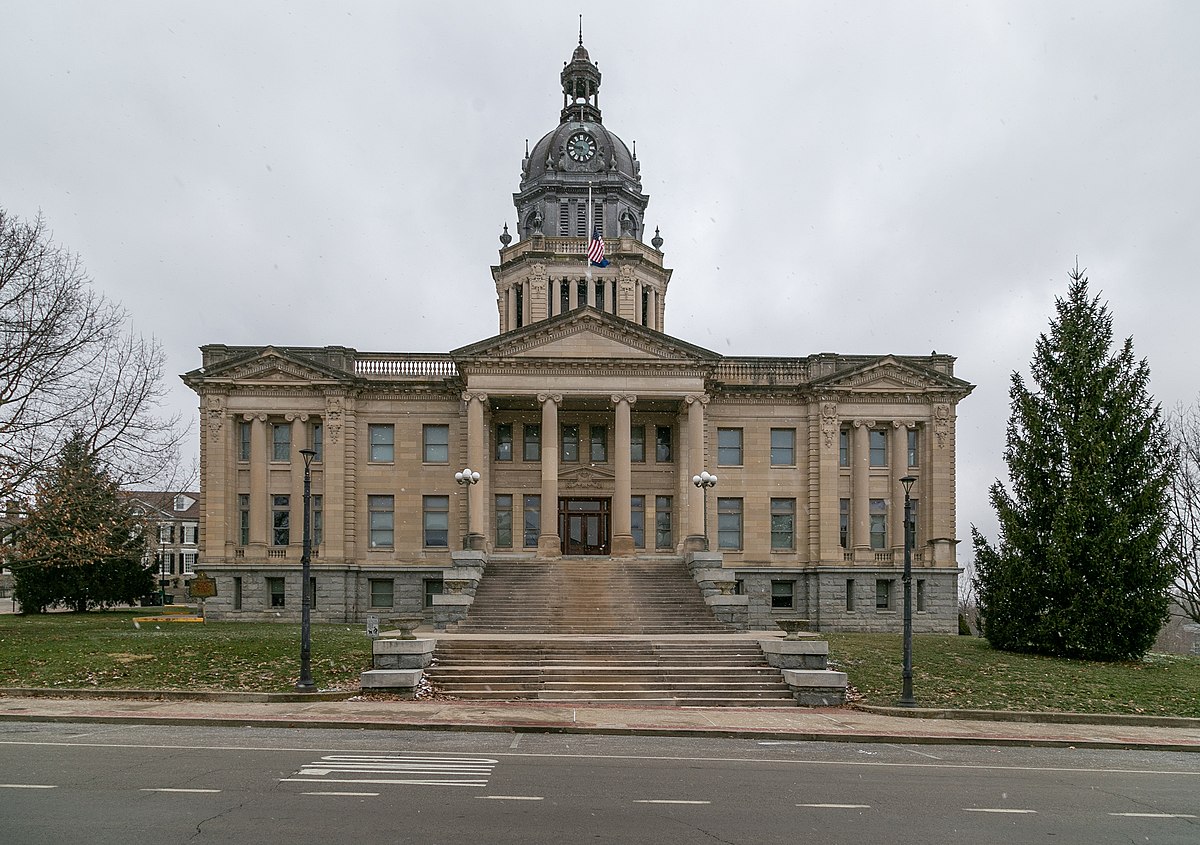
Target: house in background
(173, 545)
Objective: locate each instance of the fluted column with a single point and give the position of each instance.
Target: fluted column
(258, 479)
(296, 494)
(572, 294)
(549, 543)
(622, 538)
(477, 461)
(695, 463)
(860, 487)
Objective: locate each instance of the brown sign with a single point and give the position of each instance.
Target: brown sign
(202, 587)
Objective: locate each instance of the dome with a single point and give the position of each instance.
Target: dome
(550, 154)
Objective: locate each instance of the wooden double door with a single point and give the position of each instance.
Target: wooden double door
(585, 526)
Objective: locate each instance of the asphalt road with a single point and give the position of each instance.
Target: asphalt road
(100, 784)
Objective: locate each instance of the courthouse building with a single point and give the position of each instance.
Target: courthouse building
(586, 422)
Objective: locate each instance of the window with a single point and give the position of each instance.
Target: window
(729, 523)
(637, 521)
(166, 564)
(318, 520)
(783, 524)
(504, 442)
(850, 594)
(281, 442)
(243, 519)
(564, 297)
(381, 516)
(637, 444)
(281, 519)
(564, 225)
(783, 594)
(600, 295)
(166, 532)
(504, 521)
(844, 447)
(275, 592)
(316, 439)
(599, 443)
(570, 444)
(662, 444)
(237, 592)
(383, 443)
(914, 443)
(921, 608)
(664, 535)
(877, 441)
(436, 511)
(783, 447)
(729, 447)
(382, 592)
(243, 441)
(532, 442)
(433, 587)
(436, 440)
(519, 305)
(844, 523)
(181, 502)
(878, 523)
(533, 521)
(187, 563)
(883, 594)
(187, 533)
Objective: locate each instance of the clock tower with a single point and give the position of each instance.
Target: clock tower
(577, 180)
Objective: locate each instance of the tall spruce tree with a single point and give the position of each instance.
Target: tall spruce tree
(1079, 569)
(81, 546)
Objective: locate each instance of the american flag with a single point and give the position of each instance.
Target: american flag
(596, 250)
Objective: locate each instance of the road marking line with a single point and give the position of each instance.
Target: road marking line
(666, 801)
(512, 797)
(28, 786)
(410, 782)
(349, 794)
(837, 806)
(1155, 815)
(169, 789)
(998, 810)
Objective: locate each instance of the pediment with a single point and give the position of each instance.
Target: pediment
(889, 374)
(271, 366)
(586, 334)
(588, 477)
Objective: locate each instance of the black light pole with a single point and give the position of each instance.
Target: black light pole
(305, 683)
(162, 563)
(906, 693)
(467, 477)
(705, 480)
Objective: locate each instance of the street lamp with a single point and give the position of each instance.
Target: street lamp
(305, 683)
(705, 480)
(162, 567)
(906, 693)
(467, 477)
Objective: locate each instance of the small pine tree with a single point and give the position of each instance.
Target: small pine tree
(1079, 568)
(81, 545)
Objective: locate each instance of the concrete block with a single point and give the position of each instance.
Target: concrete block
(388, 653)
(727, 601)
(391, 679)
(796, 654)
(814, 678)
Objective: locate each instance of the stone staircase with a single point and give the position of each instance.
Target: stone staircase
(600, 630)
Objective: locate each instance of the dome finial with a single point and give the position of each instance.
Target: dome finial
(657, 240)
(581, 29)
(505, 237)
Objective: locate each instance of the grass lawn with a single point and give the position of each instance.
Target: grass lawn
(105, 650)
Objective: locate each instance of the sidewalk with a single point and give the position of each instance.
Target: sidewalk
(784, 723)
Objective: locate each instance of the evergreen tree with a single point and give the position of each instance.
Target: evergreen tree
(1079, 569)
(81, 546)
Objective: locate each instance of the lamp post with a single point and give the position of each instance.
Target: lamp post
(305, 684)
(162, 565)
(467, 477)
(906, 692)
(705, 480)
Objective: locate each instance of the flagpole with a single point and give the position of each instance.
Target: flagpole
(587, 261)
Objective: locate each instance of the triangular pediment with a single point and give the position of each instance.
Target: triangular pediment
(587, 477)
(585, 334)
(890, 374)
(270, 365)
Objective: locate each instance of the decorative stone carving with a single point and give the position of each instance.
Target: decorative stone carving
(468, 395)
(617, 397)
(904, 424)
(333, 418)
(556, 398)
(216, 415)
(692, 398)
(294, 417)
(829, 424)
(941, 424)
(864, 423)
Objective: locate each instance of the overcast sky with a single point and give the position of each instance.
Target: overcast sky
(842, 177)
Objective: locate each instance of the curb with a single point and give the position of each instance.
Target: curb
(178, 695)
(1032, 716)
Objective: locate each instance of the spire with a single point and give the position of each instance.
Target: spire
(581, 86)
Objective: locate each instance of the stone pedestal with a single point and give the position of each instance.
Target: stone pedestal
(815, 687)
(809, 653)
(398, 664)
(732, 610)
(449, 608)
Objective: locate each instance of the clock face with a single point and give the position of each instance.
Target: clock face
(581, 146)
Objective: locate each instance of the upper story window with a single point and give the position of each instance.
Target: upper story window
(844, 447)
(504, 441)
(316, 441)
(532, 443)
(729, 447)
(783, 447)
(436, 440)
(243, 440)
(570, 443)
(637, 444)
(662, 444)
(914, 443)
(382, 521)
(383, 442)
(281, 520)
(281, 442)
(599, 443)
(877, 438)
(187, 533)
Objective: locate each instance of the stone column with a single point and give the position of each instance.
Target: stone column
(296, 493)
(572, 294)
(898, 464)
(637, 303)
(860, 489)
(652, 304)
(510, 298)
(549, 543)
(258, 481)
(622, 520)
(477, 461)
(693, 466)
(526, 305)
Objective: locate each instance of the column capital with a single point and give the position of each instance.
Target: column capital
(904, 423)
(864, 423)
(629, 398)
(253, 417)
(556, 398)
(468, 395)
(294, 417)
(692, 398)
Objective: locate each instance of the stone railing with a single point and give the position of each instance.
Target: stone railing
(392, 365)
(579, 246)
(763, 371)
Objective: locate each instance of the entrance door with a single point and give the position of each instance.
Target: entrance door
(584, 526)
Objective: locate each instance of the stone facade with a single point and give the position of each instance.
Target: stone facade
(586, 423)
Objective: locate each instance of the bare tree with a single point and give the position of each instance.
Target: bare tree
(1185, 508)
(70, 364)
